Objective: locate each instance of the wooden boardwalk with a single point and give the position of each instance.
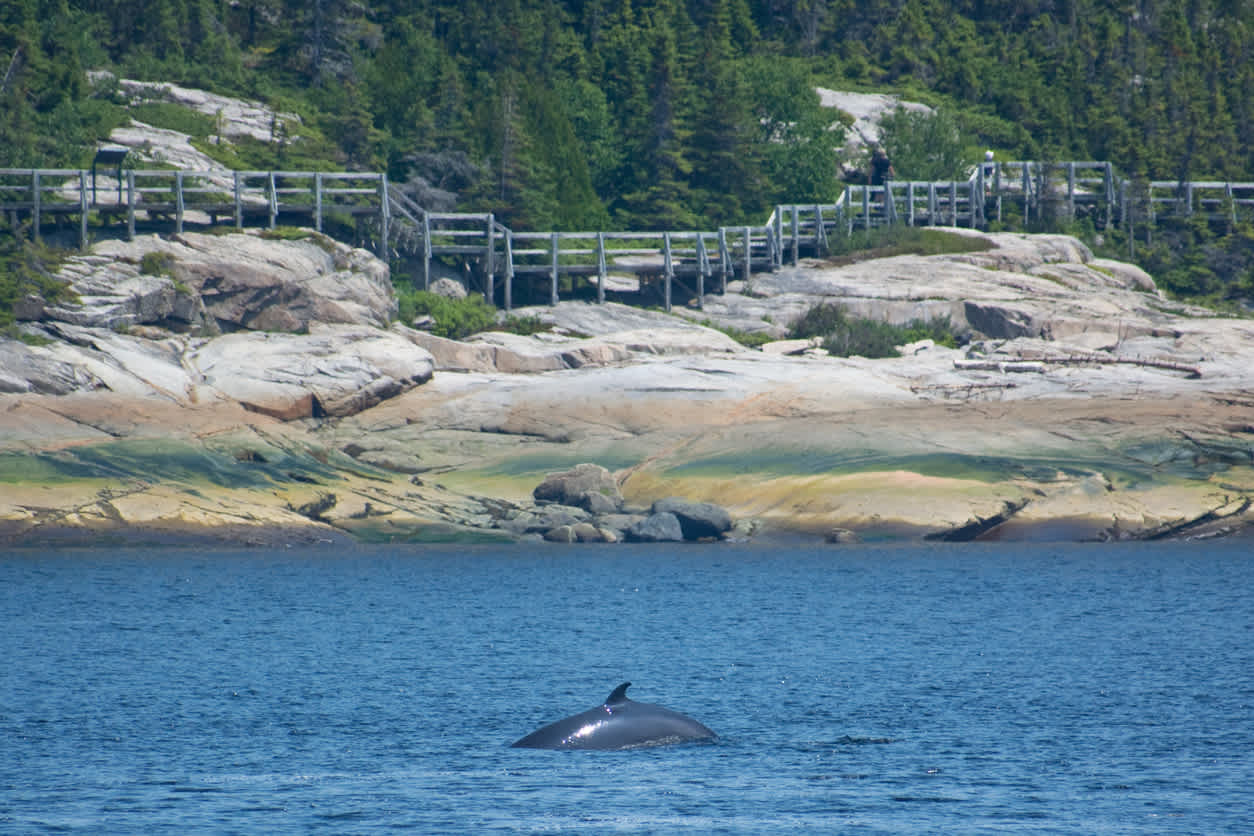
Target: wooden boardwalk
(363, 206)
(168, 200)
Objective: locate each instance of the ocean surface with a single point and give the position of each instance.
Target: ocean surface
(1089, 689)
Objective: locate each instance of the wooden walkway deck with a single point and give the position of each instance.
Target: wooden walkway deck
(378, 215)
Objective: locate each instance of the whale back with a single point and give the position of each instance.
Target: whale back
(618, 723)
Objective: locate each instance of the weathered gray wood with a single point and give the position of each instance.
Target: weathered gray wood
(553, 275)
(130, 205)
(82, 210)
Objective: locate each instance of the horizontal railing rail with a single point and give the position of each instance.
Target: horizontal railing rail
(172, 195)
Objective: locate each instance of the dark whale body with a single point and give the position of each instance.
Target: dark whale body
(619, 723)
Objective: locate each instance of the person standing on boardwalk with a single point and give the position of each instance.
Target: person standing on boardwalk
(881, 173)
(881, 167)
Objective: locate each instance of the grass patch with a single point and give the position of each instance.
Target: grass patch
(888, 241)
(749, 339)
(174, 117)
(845, 335)
(522, 325)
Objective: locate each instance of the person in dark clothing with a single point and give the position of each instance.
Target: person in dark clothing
(881, 167)
(881, 173)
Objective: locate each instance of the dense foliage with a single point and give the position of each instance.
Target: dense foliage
(563, 113)
(651, 113)
(846, 335)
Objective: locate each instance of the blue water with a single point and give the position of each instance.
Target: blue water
(910, 689)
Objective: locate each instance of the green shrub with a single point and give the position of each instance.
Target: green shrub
(454, 318)
(156, 263)
(844, 335)
(28, 268)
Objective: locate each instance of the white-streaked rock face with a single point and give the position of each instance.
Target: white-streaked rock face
(332, 371)
(233, 117)
(226, 282)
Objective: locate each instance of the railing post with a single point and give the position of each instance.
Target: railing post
(1071, 191)
(489, 260)
(553, 245)
(178, 201)
(239, 203)
(866, 207)
(318, 203)
(669, 266)
(796, 236)
(272, 197)
(1108, 186)
(997, 188)
(777, 260)
(724, 255)
(980, 174)
(602, 270)
(130, 204)
(385, 215)
(703, 269)
(910, 203)
(748, 254)
(820, 232)
(1125, 218)
(426, 250)
(82, 209)
(35, 209)
(1027, 193)
(509, 270)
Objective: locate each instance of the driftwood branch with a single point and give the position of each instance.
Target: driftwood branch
(1000, 365)
(1021, 364)
(1222, 512)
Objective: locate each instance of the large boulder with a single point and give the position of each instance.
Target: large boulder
(247, 281)
(332, 371)
(656, 528)
(698, 520)
(543, 518)
(111, 292)
(587, 486)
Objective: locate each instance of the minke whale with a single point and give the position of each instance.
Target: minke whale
(619, 723)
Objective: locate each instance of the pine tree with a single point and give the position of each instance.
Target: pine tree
(661, 199)
(726, 166)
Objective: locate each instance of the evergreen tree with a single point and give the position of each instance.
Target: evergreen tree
(661, 198)
(726, 168)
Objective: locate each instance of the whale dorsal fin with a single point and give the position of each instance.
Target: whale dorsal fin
(619, 694)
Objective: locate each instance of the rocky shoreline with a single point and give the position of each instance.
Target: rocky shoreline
(253, 390)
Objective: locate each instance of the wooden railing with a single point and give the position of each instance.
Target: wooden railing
(396, 226)
(172, 197)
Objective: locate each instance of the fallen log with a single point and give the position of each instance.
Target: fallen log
(978, 526)
(1220, 513)
(1023, 364)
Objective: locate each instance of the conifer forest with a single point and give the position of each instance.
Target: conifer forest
(622, 114)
